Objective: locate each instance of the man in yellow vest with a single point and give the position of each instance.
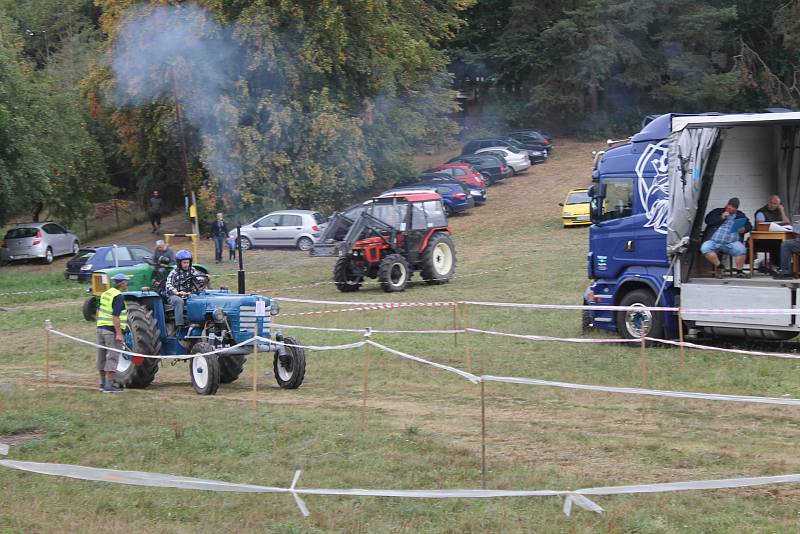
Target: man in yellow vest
(112, 322)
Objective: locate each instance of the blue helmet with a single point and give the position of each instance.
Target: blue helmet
(183, 254)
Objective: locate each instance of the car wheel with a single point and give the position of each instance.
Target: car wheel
(75, 247)
(448, 210)
(246, 243)
(305, 244)
(48, 256)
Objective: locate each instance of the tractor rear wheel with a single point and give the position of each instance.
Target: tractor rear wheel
(290, 369)
(230, 367)
(393, 273)
(89, 309)
(204, 370)
(142, 337)
(439, 259)
(344, 276)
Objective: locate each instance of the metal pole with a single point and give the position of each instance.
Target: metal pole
(255, 372)
(241, 261)
(680, 338)
(366, 385)
(483, 435)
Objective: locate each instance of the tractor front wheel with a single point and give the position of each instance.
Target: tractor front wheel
(89, 309)
(230, 367)
(290, 369)
(439, 259)
(204, 370)
(393, 273)
(142, 337)
(345, 277)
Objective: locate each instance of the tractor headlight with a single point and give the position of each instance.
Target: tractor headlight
(274, 308)
(218, 315)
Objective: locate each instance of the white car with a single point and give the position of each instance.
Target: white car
(286, 228)
(518, 160)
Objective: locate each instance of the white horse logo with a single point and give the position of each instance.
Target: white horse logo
(654, 197)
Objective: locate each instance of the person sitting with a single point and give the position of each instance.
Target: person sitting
(725, 235)
(182, 282)
(160, 275)
(163, 250)
(772, 211)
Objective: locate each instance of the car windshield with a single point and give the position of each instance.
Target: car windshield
(578, 197)
(83, 255)
(20, 233)
(391, 214)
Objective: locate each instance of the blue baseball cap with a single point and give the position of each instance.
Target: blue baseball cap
(120, 277)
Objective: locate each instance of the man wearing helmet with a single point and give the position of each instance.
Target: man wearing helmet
(181, 282)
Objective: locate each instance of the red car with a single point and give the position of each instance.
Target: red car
(463, 172)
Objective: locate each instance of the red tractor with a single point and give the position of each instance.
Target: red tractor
(394, 236)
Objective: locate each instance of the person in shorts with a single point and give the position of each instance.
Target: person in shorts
(725, 229)
(112, 322)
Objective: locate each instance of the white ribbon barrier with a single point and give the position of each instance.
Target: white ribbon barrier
(373, 330)
(469, 376)
(571, 497)
(531, 337)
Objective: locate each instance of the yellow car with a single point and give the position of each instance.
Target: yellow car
(576, 208)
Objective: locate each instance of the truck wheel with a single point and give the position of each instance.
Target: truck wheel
(632, 324)
(142, 337)
(89, 309)
(346, 280)
(230, 367)
(291, 368)
(204, 370)
(439, 259)
(393, 273)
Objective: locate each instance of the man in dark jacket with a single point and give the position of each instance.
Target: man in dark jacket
(154, 208)
(219, 232)
(725, 229)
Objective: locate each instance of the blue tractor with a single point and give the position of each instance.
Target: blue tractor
(217, 319)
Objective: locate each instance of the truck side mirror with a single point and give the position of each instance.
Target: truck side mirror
(561, 204)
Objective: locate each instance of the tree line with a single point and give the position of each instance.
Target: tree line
(322, 102)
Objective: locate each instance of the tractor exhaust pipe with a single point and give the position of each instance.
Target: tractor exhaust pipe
(241, 260)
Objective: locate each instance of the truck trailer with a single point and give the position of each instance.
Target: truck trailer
(649, 198)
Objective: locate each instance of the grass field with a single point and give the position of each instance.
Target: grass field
(423, 425)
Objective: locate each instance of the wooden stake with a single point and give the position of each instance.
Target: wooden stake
(680, 338)
(465, 325)
(255, 373)
(366, 385)
(455, 324)
(483, 435)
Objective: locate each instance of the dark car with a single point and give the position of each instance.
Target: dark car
(493, 167)
(537, 153)
(455, 196)
(533, 136)
(91, 259)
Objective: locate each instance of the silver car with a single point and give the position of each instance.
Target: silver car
(44, 240)
(286, 228)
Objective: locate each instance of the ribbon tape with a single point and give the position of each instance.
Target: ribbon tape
(572, 497)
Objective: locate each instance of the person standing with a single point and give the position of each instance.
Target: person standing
(112, 322)
(154, 206)
(219, 232)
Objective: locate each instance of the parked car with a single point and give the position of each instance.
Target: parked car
(478, 194)
(91, 259)
(537, 149)
(41, 240)
(455, 196)
(516, 159)
(534, 134)
(536, 153)
(286, 228)
(463, 172)
(494, 168)
(576, 208)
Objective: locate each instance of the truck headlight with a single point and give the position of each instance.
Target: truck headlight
(218, 315)
(274, 308)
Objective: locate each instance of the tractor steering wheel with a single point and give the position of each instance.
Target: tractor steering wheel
(199, 282)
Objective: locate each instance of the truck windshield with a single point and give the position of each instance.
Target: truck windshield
(391, 214)
(618, 201)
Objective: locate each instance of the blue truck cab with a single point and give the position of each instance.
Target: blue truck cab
(649, 198)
